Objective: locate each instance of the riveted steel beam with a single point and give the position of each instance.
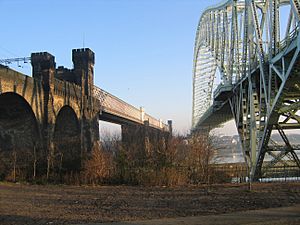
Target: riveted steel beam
(242, 39)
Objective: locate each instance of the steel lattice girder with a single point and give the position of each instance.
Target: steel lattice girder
(260, 68)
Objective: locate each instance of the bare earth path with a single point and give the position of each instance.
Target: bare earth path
(50, 204)
(272, 216)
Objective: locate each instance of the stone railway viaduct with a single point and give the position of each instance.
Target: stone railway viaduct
(56, 112)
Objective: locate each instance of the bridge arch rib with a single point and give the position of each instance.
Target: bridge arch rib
(67, 141)
(20, 139)
(255, 44)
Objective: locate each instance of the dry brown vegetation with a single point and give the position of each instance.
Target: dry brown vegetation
(180, 161)
(176, 161)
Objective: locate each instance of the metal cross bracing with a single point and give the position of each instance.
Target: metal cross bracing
(255, 46)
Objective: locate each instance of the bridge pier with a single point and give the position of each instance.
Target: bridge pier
(69, 122)
(144, 139)
(43, 70)
(84, 60)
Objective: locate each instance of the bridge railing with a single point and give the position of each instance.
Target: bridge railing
(111, 103)
(154, 122)
(114, 105)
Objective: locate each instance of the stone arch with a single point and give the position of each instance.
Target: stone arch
(67, 141)
(19, 138)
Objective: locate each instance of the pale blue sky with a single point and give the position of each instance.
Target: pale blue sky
(144, 48)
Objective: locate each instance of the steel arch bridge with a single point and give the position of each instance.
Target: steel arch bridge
(254, 45)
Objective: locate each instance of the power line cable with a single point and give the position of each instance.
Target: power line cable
(8, 51)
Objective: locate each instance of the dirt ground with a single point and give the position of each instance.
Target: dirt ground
(50, 204)
(272, 216)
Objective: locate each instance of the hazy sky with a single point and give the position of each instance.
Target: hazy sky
(144, 48)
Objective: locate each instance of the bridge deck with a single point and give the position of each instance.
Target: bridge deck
(215, 115)
(115, 110)
(112, 108)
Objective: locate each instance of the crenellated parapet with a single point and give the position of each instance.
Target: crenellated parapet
(42, 60)
(84, 60)
(68, 75)
(83, 57)
(43, 68)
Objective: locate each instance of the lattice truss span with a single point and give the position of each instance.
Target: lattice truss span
(255, 46)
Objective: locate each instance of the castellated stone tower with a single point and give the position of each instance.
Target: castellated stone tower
(84, 60)
(43, 68)
(64, 91)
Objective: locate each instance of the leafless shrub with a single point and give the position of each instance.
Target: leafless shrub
(100, 167)
(199, 158)
(178, 160)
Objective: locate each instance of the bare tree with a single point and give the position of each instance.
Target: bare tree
(99, 168)
(199, 157)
